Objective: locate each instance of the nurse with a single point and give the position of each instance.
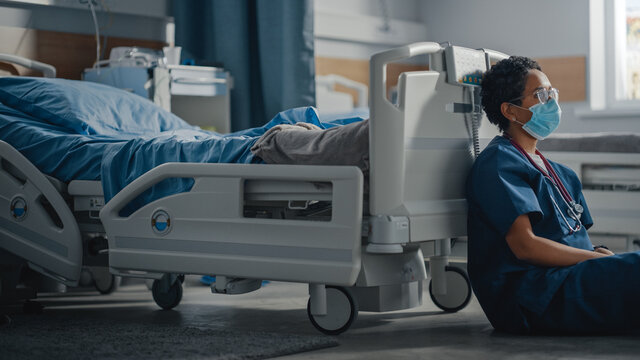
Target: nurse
(531, 263)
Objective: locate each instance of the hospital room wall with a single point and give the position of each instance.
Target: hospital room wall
(355, 29)
(544, 29)
(348, 32)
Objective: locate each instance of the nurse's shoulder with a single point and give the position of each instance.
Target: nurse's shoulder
(498, 154)
(497, 163)
(564, 171)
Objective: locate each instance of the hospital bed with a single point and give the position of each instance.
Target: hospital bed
(608, 165)
(246, 223)
(94, 269)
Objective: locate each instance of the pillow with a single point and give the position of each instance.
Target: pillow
(86, 108)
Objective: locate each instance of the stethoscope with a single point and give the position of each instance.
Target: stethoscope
(574, 210)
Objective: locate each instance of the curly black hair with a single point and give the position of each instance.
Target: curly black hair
(503, 82)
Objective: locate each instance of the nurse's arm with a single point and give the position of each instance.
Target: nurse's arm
(537, 250)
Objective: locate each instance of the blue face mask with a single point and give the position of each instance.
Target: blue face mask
(544, 121)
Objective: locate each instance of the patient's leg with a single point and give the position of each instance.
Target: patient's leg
(340, 145)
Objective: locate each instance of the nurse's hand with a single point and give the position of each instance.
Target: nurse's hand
(604, 251)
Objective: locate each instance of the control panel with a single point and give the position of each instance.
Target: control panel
(465, 66)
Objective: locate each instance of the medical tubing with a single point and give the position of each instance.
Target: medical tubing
(97, 28)
(474, 122)
(466, 119)
(105, 37)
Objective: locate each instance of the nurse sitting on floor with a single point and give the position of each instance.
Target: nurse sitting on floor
(531, 263)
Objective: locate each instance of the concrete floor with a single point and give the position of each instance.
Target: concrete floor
(424, 332)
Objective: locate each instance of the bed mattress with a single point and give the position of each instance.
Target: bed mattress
(75, 130)
(592, 142)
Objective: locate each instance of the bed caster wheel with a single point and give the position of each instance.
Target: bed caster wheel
(86, 279)
(458, 290)
(342, 311)
(32, 307)
(107, 285)
(167, 298)
(104, 281)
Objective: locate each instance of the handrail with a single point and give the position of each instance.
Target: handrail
(195, 170)
(380, 60)
(46, 69)
(333, 79)
(492, 55)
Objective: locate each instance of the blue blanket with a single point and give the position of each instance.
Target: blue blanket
(75, 130)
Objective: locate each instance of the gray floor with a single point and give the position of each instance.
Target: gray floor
(424, 332)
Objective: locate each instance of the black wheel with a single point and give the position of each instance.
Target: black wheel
(458, 290)
(167, 299)
(342, 311)
(86, 278)
(107, 285)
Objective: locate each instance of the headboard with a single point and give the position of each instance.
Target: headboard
(69, 53)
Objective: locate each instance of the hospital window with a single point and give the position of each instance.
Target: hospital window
(623, 49)
(614, 60)
(629, 86)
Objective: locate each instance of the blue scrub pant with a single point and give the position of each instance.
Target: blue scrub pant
(600, 296)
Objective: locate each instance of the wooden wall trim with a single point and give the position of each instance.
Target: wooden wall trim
(568, 75)
(358, 70)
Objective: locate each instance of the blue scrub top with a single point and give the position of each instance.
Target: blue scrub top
(503, 185)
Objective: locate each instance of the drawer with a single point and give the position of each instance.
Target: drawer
(198, 81)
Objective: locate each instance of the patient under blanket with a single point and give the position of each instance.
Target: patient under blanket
(75, 130)
(308, 144)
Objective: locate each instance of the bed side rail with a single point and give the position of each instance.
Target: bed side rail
(35, 221)
(206, 230)
(46, 69)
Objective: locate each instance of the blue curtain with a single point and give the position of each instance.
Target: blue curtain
(266, 45)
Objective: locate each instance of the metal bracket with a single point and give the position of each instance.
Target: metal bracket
(234, 286)
(388, 234)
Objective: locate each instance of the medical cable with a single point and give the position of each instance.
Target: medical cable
(574, 209)
(475, 121)
(97, 29)
(105, 36)
(577, 228)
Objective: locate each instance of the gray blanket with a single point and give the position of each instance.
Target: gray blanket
(306, 144)
(592, 142)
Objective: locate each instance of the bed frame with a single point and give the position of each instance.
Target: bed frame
(307, 224)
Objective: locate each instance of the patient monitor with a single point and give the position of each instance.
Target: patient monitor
(465, 66)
